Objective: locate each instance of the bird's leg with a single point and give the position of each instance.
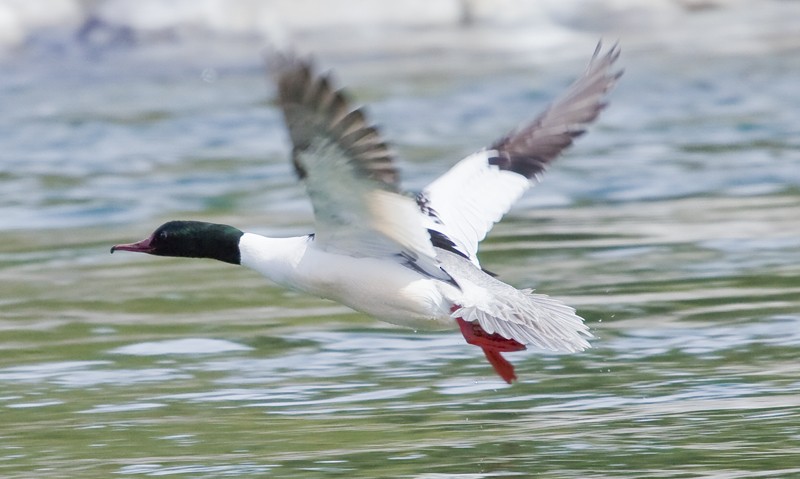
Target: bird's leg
(492, 345)
(501, 365)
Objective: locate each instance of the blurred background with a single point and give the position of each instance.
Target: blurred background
(673, 227)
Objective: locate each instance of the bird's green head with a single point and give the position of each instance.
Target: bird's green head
(190, 239)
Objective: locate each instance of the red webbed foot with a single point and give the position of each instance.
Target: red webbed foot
(501, 365)
(492, 345)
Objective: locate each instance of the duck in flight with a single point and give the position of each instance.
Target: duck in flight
(406, 259)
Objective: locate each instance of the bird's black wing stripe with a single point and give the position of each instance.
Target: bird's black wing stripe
(440, 240)
(410, 263)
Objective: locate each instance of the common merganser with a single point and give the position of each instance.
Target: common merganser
(405, 259)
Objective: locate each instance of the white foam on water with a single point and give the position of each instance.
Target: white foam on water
(180, 346)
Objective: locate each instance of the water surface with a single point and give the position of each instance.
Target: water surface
(673, 227)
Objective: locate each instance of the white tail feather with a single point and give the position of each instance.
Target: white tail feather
(532, 319)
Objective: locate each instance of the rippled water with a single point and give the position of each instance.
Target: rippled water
(674, 228)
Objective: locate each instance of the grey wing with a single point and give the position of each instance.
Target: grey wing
(466, 202)
(349, 173)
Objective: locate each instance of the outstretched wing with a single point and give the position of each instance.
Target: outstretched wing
(465, 203)
(349, 173)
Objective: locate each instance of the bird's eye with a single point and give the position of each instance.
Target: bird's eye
(163, 235)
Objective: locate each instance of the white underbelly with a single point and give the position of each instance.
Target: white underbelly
(383, 289)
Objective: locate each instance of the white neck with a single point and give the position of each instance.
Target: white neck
(275, 258)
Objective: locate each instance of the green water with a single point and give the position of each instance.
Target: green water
(673, 227)
(693, 373)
